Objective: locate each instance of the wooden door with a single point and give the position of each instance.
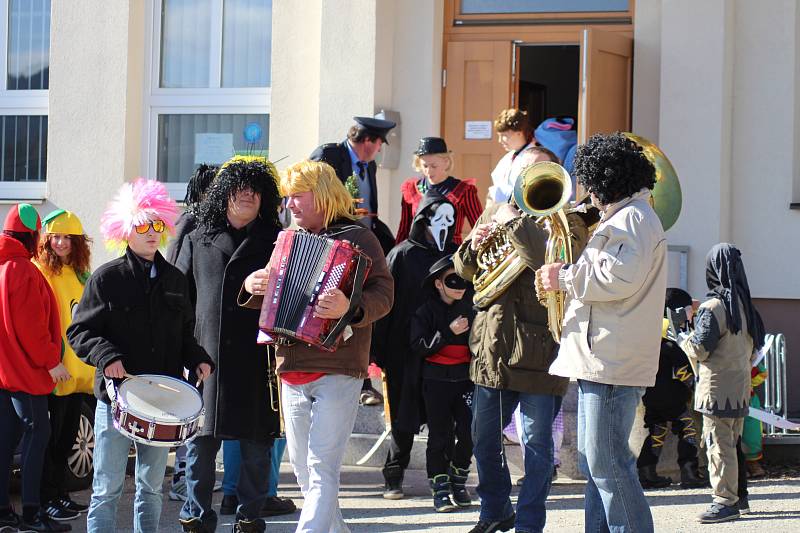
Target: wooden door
(477, 87)
(604, 103)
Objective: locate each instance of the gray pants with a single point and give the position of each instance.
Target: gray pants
(720, 436)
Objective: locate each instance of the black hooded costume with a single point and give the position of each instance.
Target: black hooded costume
(666, 403)
(430, 238)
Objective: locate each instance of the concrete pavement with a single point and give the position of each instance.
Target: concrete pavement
(775, 505)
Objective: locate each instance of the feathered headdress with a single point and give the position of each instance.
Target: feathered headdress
(137, 203)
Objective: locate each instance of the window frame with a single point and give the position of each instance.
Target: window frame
(28, 102)
(214, 100)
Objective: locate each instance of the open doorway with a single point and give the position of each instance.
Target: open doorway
(549, 81)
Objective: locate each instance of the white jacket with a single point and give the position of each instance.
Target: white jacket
(506, 172)
(612, 325)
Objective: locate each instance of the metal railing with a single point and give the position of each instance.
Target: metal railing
(775, 390)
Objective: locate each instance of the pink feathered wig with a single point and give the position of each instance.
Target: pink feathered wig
(137, 203)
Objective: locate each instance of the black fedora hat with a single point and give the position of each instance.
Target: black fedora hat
(375, 126)
(431, 145)
(436, 270)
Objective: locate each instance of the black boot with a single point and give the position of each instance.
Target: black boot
(649, 478)
(440, 488)
(458, 479)
(244, 525)
(229, 504)
(689, 477)
(393, 475)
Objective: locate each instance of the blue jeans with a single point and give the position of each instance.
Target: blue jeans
(232, 458)
(20, 411)
(614, 501)
(110, 461)
(251, 488)
(491, 412)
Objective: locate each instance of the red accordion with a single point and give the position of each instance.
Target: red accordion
(302, 267)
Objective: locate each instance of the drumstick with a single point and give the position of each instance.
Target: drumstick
(149, 382)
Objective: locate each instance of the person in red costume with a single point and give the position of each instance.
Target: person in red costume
(30, 365)
(434, 161)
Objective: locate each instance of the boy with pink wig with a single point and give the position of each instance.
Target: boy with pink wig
(135, 317)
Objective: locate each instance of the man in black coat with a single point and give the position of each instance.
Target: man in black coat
(430, 238)
(355, 156)
(237, 229)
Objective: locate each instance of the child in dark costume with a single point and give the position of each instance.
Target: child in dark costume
(430, 238)
(666, 403)
(440, 336)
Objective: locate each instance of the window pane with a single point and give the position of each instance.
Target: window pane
(24, 156)
(28, 44)
(185, 141)
(246, 43)
(185, 43)
(541, 6)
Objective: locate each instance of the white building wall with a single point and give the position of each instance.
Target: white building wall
(763, 139)
(726, 100)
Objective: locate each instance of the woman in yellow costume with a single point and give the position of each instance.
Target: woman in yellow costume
(64, 258)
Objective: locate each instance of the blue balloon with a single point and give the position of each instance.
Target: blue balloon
(253, 132)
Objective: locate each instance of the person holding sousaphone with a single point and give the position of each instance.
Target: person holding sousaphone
(612, 323)
(135, 317)
(320, 388)
(511, 345)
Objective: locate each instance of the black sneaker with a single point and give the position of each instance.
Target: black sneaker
(229, 504)
(275, 506)
(192, 525)
(42, 522)
(65, 502)
(9, 520)
(484, 526)
(58, 513)
(243, 525)
(744, 506)
(718, 512)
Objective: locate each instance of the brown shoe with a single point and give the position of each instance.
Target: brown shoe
(755, 470)
(275, 506)
(371, 397)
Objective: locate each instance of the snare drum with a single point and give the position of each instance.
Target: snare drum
(155, 415)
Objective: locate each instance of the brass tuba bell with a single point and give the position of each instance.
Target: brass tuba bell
(541, 190)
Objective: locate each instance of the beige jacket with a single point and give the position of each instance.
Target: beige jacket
(615, 292)
(721, 362)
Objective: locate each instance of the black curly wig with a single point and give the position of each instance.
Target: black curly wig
(234, 176)
(198, 185)
(613, 167)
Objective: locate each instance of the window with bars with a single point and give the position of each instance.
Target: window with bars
(25, 50)
(209, 84)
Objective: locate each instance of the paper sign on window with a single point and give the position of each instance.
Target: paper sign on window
(214, 148)
(478, 129)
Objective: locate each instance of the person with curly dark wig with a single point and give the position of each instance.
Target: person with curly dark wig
(237, 228)
(612, 325)
(195, 193)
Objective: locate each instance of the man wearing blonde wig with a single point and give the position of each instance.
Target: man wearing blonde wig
(320, 386)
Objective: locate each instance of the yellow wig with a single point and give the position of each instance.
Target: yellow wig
(330, 196)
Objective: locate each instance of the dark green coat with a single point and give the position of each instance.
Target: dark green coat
(511, 345)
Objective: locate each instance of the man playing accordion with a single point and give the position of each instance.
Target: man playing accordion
(320, 385)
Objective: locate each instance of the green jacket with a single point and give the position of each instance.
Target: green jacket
(511, 345)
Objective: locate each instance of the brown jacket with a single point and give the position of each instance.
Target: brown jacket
(721, 362)
(352, 356)
(511, 345)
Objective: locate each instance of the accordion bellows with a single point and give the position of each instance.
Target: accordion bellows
(302, 267)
